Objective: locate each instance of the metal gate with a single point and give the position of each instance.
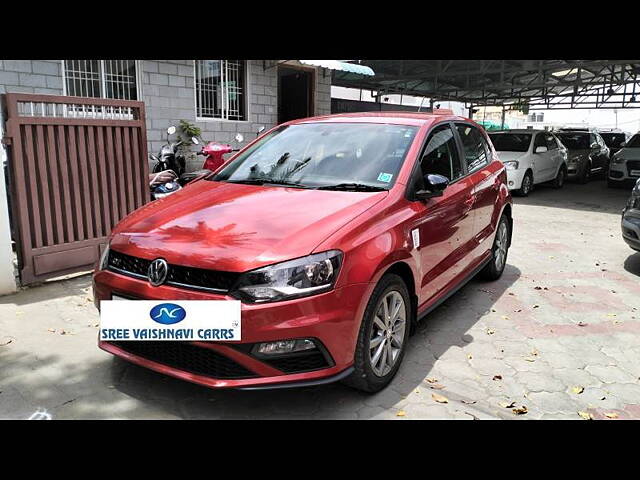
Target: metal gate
(78, 166)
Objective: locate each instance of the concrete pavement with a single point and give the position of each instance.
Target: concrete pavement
(556, 337)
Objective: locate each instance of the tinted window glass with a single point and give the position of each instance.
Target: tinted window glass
(613, 139)
(510, 142)
(574, 141)
(540, 141)
(441, 155)
(552, 144)
(634, 142)
(475, 149)
(322, 154)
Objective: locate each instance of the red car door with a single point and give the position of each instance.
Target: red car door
(444, 225)
(483, 174)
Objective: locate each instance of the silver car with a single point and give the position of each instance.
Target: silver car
(631, 219)
(625, 163)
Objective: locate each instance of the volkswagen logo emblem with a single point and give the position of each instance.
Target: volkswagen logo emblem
(158, 271)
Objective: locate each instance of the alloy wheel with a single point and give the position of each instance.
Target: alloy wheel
(526, 184)
(500, 252)
(387, 333)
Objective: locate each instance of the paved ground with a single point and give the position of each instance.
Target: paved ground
(556, 337)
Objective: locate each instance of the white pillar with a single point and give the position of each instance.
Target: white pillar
(7, 280)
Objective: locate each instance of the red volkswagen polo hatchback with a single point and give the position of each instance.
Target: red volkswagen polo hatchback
(336, 233)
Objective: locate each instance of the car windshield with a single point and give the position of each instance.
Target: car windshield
(347, 156)
(574, 141)
(613, 139)
(511, 142)
(634, 142)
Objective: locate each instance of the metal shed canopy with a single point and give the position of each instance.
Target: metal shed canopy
(534, 84)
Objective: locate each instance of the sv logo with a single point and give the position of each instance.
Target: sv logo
(167, 313)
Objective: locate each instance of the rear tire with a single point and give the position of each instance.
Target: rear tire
(371, 374)
(499, 251)
(527, 185)
(558, 182)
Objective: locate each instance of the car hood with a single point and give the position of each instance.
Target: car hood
(629, 153)
(510, 156)
(234, 227)
(573, 155)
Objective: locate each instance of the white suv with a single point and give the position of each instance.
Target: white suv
(531, 157)
(625, 163)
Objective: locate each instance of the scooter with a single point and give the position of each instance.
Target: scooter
(168, 169)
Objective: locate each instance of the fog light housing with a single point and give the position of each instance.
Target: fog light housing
(511, 183)
(283, 347)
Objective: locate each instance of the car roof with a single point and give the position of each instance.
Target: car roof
(519, 130)
(398, 118)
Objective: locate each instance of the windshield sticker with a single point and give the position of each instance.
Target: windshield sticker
(385, 177)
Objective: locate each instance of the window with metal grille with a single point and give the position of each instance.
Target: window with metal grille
(221, 89)
(101, 78)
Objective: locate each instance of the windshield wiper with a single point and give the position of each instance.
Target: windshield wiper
(268, 181)
(356, 187)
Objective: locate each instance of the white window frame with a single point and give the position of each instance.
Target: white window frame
(103, 82)
(247, 76)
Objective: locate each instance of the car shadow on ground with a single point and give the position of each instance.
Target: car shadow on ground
(79, 284)
(632, 264)
(445, 328)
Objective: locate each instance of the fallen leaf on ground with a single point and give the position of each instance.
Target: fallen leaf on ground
(520, 410)
(611, 415)
(431, 380)
(530, 359)
(504, 317)
(490, 331)
(469, 402)
(577, 390)
(536, 306)
(469, 356)
(507, 404)
(436, 386)
(586, 415)
(497, 377)
(611, 315)
(534, 352)
(401, 413)
(439, 398)
(5, 341)
(537, 288)
(582, 324)
(53, 330)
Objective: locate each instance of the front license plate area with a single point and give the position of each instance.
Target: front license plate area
(171, 320)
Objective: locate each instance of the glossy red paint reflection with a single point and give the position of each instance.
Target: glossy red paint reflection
(233, 227)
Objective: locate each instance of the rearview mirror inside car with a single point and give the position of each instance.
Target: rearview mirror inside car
(434, 185)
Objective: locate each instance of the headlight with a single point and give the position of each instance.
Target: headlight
(292, 279)
(636, 190)
(511, 165)
(617, 159)
(104, 258)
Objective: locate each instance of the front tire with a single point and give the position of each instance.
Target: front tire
(527, 185)
(500, 249)
(558, 182)
(585, 175)
(383, 336)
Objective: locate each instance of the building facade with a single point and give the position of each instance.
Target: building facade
(221, 97)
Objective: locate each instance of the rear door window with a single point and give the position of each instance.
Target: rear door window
(476, 150)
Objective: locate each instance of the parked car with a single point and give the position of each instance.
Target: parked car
(614, 140)
(625, 164)
(631, 219)
(336, 233)
(588, 153)
(531, 157)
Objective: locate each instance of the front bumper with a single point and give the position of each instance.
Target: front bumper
(620, 172)
(514, 179)
(631, 228)
(330, 318)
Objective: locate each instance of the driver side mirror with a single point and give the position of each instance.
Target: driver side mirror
(623, 144)
(434, 185)
(540, 149)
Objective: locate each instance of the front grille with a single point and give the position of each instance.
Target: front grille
(298, 362)
(179, 275)
(187, 357)
(633, 165)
